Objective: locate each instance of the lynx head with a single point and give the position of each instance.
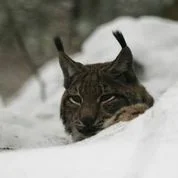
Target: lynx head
(95, 92)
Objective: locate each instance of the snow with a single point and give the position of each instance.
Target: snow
(143, 148)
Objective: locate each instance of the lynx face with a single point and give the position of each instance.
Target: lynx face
(94, 93)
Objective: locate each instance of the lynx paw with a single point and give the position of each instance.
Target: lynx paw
(126, 114)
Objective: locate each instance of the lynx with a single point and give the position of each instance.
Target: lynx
(99, 95)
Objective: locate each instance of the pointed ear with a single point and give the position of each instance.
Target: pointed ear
(68, 66)
(124, 61)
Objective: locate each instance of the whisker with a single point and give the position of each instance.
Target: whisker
(98, 123)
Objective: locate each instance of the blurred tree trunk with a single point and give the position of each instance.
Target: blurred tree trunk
(19, 39)
(171, 11)
(26, 30)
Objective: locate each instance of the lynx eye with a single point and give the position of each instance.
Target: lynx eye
(75, 99)
(107, 98)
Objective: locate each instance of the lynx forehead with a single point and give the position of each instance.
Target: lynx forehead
(96, 93)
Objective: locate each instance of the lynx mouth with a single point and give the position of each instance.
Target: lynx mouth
(81, 134)
(88, 132)
(88, 128)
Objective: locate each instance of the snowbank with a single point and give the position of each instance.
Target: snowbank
(143, 148)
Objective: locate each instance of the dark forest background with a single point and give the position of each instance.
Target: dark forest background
(27, 28)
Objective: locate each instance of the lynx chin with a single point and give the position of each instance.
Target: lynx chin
(99, 95)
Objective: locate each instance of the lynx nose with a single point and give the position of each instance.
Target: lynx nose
(88, 121)
(88, 127)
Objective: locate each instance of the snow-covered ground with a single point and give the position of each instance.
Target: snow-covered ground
(143, 148)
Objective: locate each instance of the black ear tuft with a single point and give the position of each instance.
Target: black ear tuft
(120, 38)
(58, 44)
